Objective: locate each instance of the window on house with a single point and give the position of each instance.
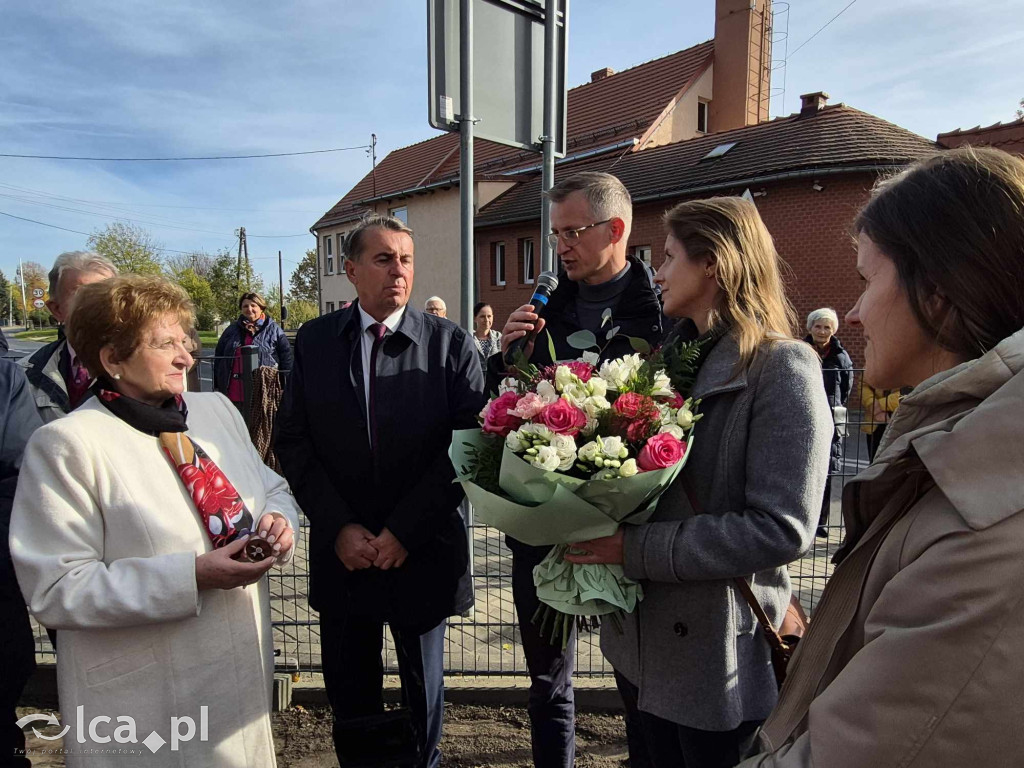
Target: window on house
(402, 214)
(643, 252)
(498, 249)
(341, 249)
(720, 150)
(529, 262)
(330, 306)
(328, 255)
(702, 116)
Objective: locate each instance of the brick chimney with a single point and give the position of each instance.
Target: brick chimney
(743, 64)
(601, 74)
(812, 103)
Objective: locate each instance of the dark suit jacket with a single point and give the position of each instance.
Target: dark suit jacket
(428, 383)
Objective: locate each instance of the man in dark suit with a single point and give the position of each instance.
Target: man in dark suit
(591, 215)
(363, 436)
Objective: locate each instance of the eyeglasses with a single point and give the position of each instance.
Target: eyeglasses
(571, 236)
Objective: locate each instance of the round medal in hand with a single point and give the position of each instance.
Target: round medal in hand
(258, 550)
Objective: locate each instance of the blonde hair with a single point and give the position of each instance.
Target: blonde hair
(753, 302)
(117, 311)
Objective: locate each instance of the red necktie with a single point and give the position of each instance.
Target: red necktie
(378, 330)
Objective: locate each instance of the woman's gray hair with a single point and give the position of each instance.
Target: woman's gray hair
(354, 239)
(825, 313)
(78, 261)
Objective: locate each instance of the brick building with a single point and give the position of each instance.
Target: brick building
(808, 174)
(1008, 137)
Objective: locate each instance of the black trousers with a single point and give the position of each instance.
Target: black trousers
(551, 706)
(350, 648)
(17, 651)
(657, 743)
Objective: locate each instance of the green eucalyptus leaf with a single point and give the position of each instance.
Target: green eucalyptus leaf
(606, 316)
(551, 347)
(582, 340)
(611, 334)
(639, 345)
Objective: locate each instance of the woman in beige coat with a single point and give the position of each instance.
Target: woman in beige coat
(913, 656)
(130, 518)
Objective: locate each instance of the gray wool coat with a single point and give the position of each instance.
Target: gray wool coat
(758, 469)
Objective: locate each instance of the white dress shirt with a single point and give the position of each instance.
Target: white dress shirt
(366, 338)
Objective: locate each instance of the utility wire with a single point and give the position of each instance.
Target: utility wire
(175, 159)
(805, 42)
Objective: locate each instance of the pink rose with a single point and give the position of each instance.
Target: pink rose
(659, 452)
(497, 418)
(639, 429)
(630, 405)
(676, 401)
(583, 371)
(564, 418)
(529, 405)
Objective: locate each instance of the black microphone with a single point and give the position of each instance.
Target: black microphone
(547, 282)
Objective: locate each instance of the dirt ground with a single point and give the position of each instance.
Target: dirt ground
(473, 736)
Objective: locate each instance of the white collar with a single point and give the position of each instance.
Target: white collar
(390, 322)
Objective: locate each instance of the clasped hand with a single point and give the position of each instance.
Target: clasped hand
(357, 549)
(607, 549)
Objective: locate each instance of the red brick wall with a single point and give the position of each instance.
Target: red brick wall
(811, 231)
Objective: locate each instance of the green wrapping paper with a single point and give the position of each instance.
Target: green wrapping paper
(550, 508)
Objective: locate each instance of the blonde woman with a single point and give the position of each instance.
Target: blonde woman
(693, 667)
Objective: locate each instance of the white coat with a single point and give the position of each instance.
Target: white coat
(104, 539)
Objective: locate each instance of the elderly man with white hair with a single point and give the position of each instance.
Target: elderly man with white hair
(57, 380)
(435, 306)
(837, 372)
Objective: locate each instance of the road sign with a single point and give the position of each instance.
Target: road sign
(37, 293)
(508, 70)
(38, 303)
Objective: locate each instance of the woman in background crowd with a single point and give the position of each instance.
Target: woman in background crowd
(692, 665)
(130, 519)
(912, 657)
(488, 340)
(837, 371)
(253, 328)
(878, 407)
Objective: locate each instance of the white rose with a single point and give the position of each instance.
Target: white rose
(628, 468)
(565, 447)
(508, 385)
(662, 385)
(598, 387)
(563, 377)
(589, 452)
(515, 443)
(684, 418)
(594, 406)
(673, 429)
(611, 373)
(665, 414)
(546, 458)
(612, 447)
(547, 391)
(535, 432)
(575, 393)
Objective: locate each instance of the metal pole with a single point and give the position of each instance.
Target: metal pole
(466, 121)
(24, 298)
(548, 139)
(280, 284)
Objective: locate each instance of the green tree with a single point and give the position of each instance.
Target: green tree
(301, 311)
(228, 284)
(5, 295)
(1020, 112)
(199, 290)
(34, 277)
(303, 280)
(199, 262)
(129, 247)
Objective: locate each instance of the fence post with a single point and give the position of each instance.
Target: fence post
(250, 362)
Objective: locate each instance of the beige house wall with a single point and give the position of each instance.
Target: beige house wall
(681, 122)
(434, 218)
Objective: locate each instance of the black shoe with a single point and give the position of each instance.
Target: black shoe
(822, 532)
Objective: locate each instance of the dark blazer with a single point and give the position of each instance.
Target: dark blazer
(271, 341)
(837, 371)
(428, 383)
(638, 314)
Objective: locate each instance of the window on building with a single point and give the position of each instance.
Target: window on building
(529, 262)
(341, 249)
(402, 214)
(720, 150)
(330, 306)
(328, 255)
(498, 250)
(643, 252)
(702, 116)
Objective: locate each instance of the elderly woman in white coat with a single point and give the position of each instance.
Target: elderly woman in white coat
(692, 665)
(143, 527)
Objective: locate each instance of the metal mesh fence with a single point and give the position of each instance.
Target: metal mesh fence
(486, 642)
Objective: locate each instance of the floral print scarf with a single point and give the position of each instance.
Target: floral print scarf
(223, 513)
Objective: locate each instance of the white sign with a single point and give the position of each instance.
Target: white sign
(37, 293)
(38, 303)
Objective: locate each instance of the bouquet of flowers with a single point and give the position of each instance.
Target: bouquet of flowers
(569, 453)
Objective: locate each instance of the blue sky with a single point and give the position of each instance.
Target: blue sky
(112, 78)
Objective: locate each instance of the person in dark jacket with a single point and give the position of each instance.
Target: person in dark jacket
(363, 436)
(253, 328)
(837, 373)
(591, 215)
(18, 420)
